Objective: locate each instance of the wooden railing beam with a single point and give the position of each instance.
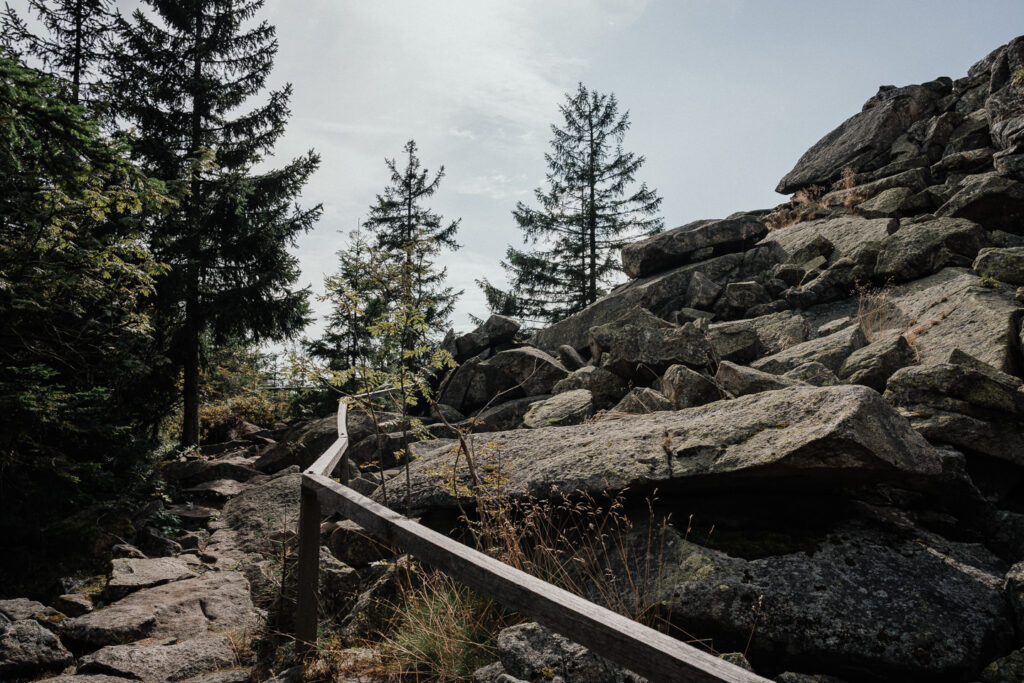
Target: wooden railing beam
(641, 649)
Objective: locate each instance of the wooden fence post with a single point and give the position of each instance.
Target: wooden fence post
(309, 574)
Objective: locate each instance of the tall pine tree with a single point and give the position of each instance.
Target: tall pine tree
(409, 236)
(587, 213)
(182, 70)
(73, 50)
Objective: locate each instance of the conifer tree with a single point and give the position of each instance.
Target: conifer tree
(73, 51)
(586, 214)
(410, 236)
(181, 71)
(356, 295)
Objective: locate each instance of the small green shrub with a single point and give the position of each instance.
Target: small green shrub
(1018, 77)
(989, 282)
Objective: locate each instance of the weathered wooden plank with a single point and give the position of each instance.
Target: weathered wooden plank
(326, 463)
(650, 653)
(309, 574)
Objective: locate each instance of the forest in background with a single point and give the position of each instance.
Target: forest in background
(146, 258)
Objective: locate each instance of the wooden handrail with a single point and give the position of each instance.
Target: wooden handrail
(643, 650)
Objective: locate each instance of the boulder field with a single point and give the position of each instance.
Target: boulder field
(819, 405)
(831, 386)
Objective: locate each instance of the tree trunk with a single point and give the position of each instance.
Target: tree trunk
(76, 71)
(190, 423)
(193, 322)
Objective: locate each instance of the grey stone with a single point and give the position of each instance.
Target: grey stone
(993, 201)
(88, 678)
(914, 179)
(864, 600)
(677, 247)
(1015, 592)
(128, 575)
(18, 609)
(894, 202)
(300, 445)
(514, 373)
(740, 296)
(780, 331)
(924, 246)
(686, 388)
(872, 365)
(641, 345)
(1005, 265)
(862, 142)
(533, 653)
(740, 380)
(949, 310)
(830, 351)
(849, 235)
(126, 550)
(216, 490)
(352, 546)
(215, 600)
(162, 662)
(735, 340)
(73, 604)
(641, 401)
(261, 518)
(496, 330)
(1008, 669)
(662, 294)
(570, 357)
(969, 162)
(29, 650)
(970, 407)
(192, 472)
(606, 387)
(802, 436)
(507, 415)
(702, 292)
(566, 408)
(813, 373)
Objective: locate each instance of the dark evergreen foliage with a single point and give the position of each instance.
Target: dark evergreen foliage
(181, 74)
(358, 301)
(75, 276)
(408, 236)
(587, 213)
(73, 51)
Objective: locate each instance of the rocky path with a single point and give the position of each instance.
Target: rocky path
(175, 610)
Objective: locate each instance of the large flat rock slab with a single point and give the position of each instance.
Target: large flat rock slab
(131, 574)
(951, 310)
(182, 609)
(798, 437)
(695, 241)
(174, 661)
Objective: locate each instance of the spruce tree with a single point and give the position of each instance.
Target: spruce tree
(586, 214)
(409, 236)
(73, 50)
(181, 71)
(356, 296)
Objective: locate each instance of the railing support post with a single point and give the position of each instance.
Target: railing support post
(309, 574)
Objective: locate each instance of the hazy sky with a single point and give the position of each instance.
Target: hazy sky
(723, 95)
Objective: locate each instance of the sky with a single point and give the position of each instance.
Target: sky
(723, 97)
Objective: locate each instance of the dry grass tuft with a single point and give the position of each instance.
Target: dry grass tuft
(876, 314)
(805, 205)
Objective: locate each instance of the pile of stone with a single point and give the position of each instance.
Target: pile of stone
(839, 398)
